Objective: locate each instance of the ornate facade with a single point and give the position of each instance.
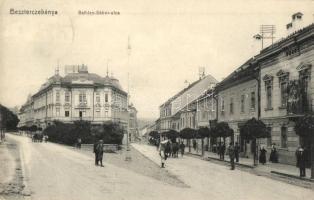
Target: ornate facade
(79, 95)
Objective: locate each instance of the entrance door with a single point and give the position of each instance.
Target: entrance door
(81, 114)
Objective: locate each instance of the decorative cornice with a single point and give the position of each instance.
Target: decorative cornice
(268, 77)
(303, 66)
(281, 73)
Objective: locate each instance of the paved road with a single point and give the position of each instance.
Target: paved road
(219, 182)
(57, 172)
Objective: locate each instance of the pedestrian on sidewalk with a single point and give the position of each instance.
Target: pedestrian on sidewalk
(231, 153)
(222, 150)
(262, 157)
(236, 152)
(301, 161)
(273, 154)
(182, 148)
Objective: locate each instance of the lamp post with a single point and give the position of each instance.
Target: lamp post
(128, 155)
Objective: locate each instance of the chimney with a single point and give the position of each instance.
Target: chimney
(297, 22)
(201, 72)
(289, 29)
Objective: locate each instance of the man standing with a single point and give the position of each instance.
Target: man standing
(222, 151)
(231, 153)
(100, 152)
(236, 151)
(182, 148)
(301, 161)
(96, 153)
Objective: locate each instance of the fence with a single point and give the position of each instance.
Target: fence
(107, 147)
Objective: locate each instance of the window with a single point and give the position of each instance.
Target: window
(81, 114)
(269, 140)
(253, 99)
(222, 105)
(97, 113)
(106, 113)
(57, 112)
(284, 137)
(98, 99)
(269, 97)
(106, 98)
(283, 77)
(268, 79)
(67, 97)
(66, 113)
(242, 103)
(284, 94)
(82, 97)
(231, 105)
(57, 95)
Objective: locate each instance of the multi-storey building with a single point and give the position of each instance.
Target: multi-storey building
(177, 113)
(277, 87)
(287, 88)
(79, 95)
(237, 97)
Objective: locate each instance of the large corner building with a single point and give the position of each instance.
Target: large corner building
(79, 95)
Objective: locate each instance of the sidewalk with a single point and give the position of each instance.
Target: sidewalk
(276, 168)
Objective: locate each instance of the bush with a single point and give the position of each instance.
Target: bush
(60, 132)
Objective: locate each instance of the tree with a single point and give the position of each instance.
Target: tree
(171, 135)
(9, 120)
(304, 127)
(252, 130)
(188, 134)
(222, 130)
(203, 133)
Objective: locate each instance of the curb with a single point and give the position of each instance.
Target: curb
(217, 159)
(292, 176)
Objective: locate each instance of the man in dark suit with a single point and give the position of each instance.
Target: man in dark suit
(301, 161)
(231, 155)
(100, 152)
(96, 152)
(236, 151)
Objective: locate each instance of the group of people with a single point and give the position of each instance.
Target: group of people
(39, 138)
(168, 149)
(221, 150)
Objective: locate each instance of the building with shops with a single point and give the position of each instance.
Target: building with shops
(287, 88)
(237, 97)
(79, 95)
(277, 87)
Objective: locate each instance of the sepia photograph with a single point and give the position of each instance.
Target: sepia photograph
(160, 100)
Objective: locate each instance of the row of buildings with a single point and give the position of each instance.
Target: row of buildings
(79, 95)
(275, 86)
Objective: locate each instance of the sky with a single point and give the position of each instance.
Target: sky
(169, 40)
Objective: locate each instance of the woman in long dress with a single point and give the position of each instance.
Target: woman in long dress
(262, 157)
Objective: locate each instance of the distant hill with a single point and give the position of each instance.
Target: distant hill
(144, 121)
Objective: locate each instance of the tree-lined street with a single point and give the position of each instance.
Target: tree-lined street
(55, 171)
